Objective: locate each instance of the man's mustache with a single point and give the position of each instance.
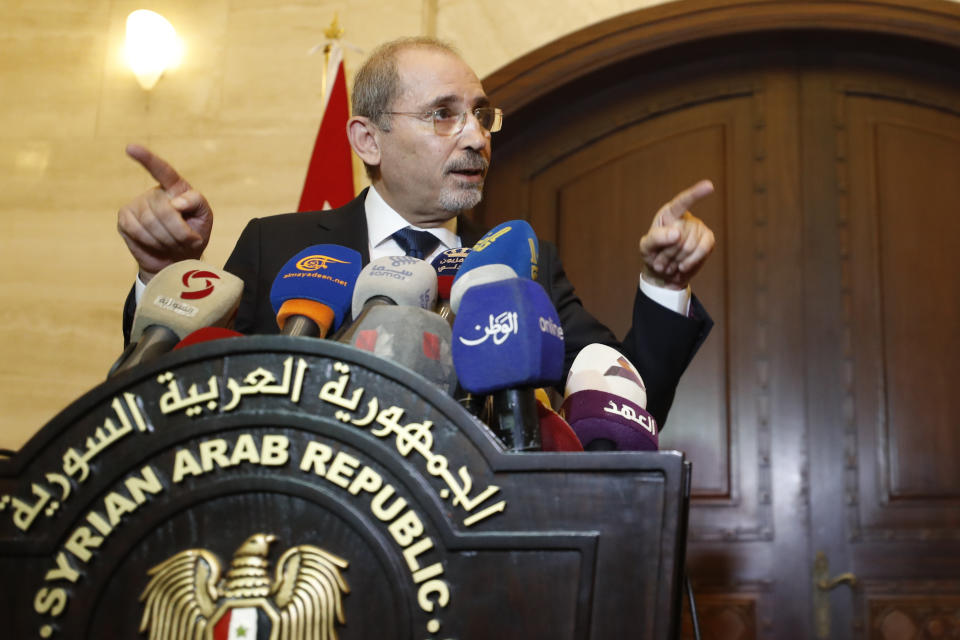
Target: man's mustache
(470, 161)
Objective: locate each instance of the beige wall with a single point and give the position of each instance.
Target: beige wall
(238, 118)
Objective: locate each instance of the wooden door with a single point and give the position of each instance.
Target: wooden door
(885, 485)
(819, 414)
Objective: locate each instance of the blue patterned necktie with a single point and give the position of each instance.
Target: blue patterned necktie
(416, 244)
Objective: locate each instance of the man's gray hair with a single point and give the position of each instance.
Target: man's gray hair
(377, 82)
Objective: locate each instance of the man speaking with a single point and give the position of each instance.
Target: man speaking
(422, 126)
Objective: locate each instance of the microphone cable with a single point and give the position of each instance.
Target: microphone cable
(693, 606)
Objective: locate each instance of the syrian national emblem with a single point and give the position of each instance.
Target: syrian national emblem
(186, 599)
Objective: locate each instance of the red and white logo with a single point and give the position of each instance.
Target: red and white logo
(192, 280)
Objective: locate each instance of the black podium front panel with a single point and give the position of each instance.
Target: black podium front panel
(277, 488)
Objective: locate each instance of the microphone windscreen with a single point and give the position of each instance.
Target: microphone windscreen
(447, 264)
(411, 336)
(207, 334)
(323, 273)
(186, 296)
(599, 367)
(405, 280)
(512, 243)
(598, 416)
(555, 433)
(507, 335)
(481, 275)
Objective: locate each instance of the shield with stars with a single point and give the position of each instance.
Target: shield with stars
(244, 620)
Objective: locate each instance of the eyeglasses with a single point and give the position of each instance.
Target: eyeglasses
(449, 123)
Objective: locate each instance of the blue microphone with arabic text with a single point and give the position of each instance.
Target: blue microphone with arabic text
(507, 341)
(512, 243)
(312, 293)
(483, 274)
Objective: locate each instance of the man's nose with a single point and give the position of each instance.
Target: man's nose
(473, 135)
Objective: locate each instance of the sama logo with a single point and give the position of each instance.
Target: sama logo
(312, 263)
(196, 275)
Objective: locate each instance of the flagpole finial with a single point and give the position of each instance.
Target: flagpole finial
(334, 31)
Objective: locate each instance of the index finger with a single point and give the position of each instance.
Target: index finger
(159, 168)
(681, 203)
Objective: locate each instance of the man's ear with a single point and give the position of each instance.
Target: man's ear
(364, 138)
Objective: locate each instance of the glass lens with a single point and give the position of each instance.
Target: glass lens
(489, 118)
(446, 123)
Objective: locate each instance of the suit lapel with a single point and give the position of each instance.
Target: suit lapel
(469, 231)
(346, 226)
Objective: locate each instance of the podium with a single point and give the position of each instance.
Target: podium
(273, 487)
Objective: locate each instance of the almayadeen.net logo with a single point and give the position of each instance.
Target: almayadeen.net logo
(312, 263)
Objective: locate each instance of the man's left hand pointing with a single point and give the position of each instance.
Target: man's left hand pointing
(678, 243)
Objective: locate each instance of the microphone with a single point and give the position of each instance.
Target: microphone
(507, 340)
(555, 433)
(481, 275)
(416, 338)
(207, 334)
(311, 294)
(512, 243)
(606, 401)
(399, 280)
(183, 297)
(603, 368)
(392, 280)
(447, 264)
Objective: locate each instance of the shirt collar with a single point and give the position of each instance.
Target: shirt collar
(383, 221)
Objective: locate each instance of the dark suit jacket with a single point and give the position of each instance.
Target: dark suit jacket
(660, 343)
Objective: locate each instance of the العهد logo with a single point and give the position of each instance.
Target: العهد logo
(312, 263)
(189, 279)
(186, 598)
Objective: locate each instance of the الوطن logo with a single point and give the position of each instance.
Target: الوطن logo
(187, 599)
(190, 279)
(312, 263)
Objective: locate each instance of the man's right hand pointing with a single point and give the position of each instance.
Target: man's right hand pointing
(166, 224)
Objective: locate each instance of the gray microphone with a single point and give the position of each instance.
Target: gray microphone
(416, 338)
(185, 296)
(391, 280)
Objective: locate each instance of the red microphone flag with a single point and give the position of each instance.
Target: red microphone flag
(329, 182)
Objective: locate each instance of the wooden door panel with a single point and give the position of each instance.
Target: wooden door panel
(904, 164)
(599, 200)
(592, 185)
(603, 199)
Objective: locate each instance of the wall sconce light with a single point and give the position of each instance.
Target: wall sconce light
(152, 46)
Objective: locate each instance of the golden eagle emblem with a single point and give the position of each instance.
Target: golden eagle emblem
(186, 598)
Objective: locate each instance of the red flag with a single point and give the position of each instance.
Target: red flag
(329, 182)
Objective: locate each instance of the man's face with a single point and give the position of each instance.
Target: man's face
(426, 177)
